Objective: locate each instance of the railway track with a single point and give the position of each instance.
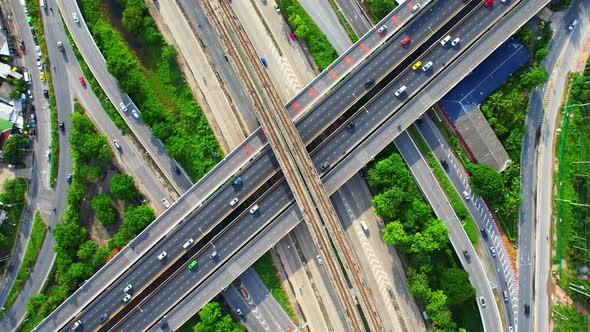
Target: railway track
(296, 163)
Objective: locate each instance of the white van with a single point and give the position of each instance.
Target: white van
(364, 226)
(42, 3)
(400, 91)
(27, 77)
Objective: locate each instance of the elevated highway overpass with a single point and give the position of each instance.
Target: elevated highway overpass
(333, 148)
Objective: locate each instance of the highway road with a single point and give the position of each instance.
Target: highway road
(310, 129)
(97, 64)
(442, 208)
(501, 275)
(538, 164)
(486, 16)
(355, 16)
(374, 115)
(199, 192)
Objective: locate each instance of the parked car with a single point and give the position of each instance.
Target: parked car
(165, 202)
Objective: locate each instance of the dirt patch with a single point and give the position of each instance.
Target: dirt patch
(6, 174)
(96, 231)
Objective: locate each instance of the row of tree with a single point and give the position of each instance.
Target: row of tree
(155, 84)
(434, 277)
(77, 256)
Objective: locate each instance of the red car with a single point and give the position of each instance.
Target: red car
(82, 81)
(292, 35)
(406, 40)
(488, 3)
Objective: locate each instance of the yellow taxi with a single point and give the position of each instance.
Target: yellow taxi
(42, 76)
(417, 65)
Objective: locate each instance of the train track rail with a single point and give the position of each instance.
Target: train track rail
(297, 166)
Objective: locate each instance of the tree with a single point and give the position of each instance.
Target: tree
(387, 204)
(123, 186)
(137, 218)
(14, 149)
(103, 207)
(389, 172)
(395, 234)
(438, 311)
(535, 76)
(132, 18)
(380, 8)
(68, 237)
(488, 183)
(418, 284)
(87, 251)
(36, 302)
(432, 238)
(455, 284)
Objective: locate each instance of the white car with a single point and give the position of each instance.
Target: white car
(572, 25)
(40, 64)
(493, 251)
(483, 301)
(455, 42)
(127, 288)
(466, 195)
(382, 29)
(75, 16)
(254, 209)
(165, 202)
(135, 114)
(116, 144)
(123, 107)
(320, 260)
(126, 298)
(233, 201)
(187, 243)
(162, 255)
(427, 66)
(276, 7)
(416, 7)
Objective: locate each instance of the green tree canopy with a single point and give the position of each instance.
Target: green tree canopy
(137, 218)
(487, 183)
(14, 149)
(68, 237)
(455, 284)
(103, 207)
(535, 76)
(387, 204)
(123, 186)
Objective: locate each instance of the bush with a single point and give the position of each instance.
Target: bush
(123, 186)
(380, 8)
(103, 208)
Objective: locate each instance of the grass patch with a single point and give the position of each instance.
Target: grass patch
(269, 275)
(351, 34)
(35, 241)
(35, 15)
(305, 28)
(456, 201)
(380, 8)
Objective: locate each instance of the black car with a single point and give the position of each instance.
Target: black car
(467, 256)
(420, 122)
(484, 234)
(46, 93)
(350, 126)
(325, 166)
(104, 317)
(369, 83)
(62, 127)
(69, 179)
(444, 164)
(527, 309)
(176, 170)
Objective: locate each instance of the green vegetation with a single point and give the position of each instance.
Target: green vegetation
(103, 208)
(15, 149)
(434, 275)
(344, 22)
(571, 203)
(380, 8)
(12, 200)
(305, 28)
(501, 192)
(269, 276)
(568, 318)
(35, 241)
(123, 186)
(35, 15)
(452, 195)
(77, 256)
(154, 82)
(211, 318)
